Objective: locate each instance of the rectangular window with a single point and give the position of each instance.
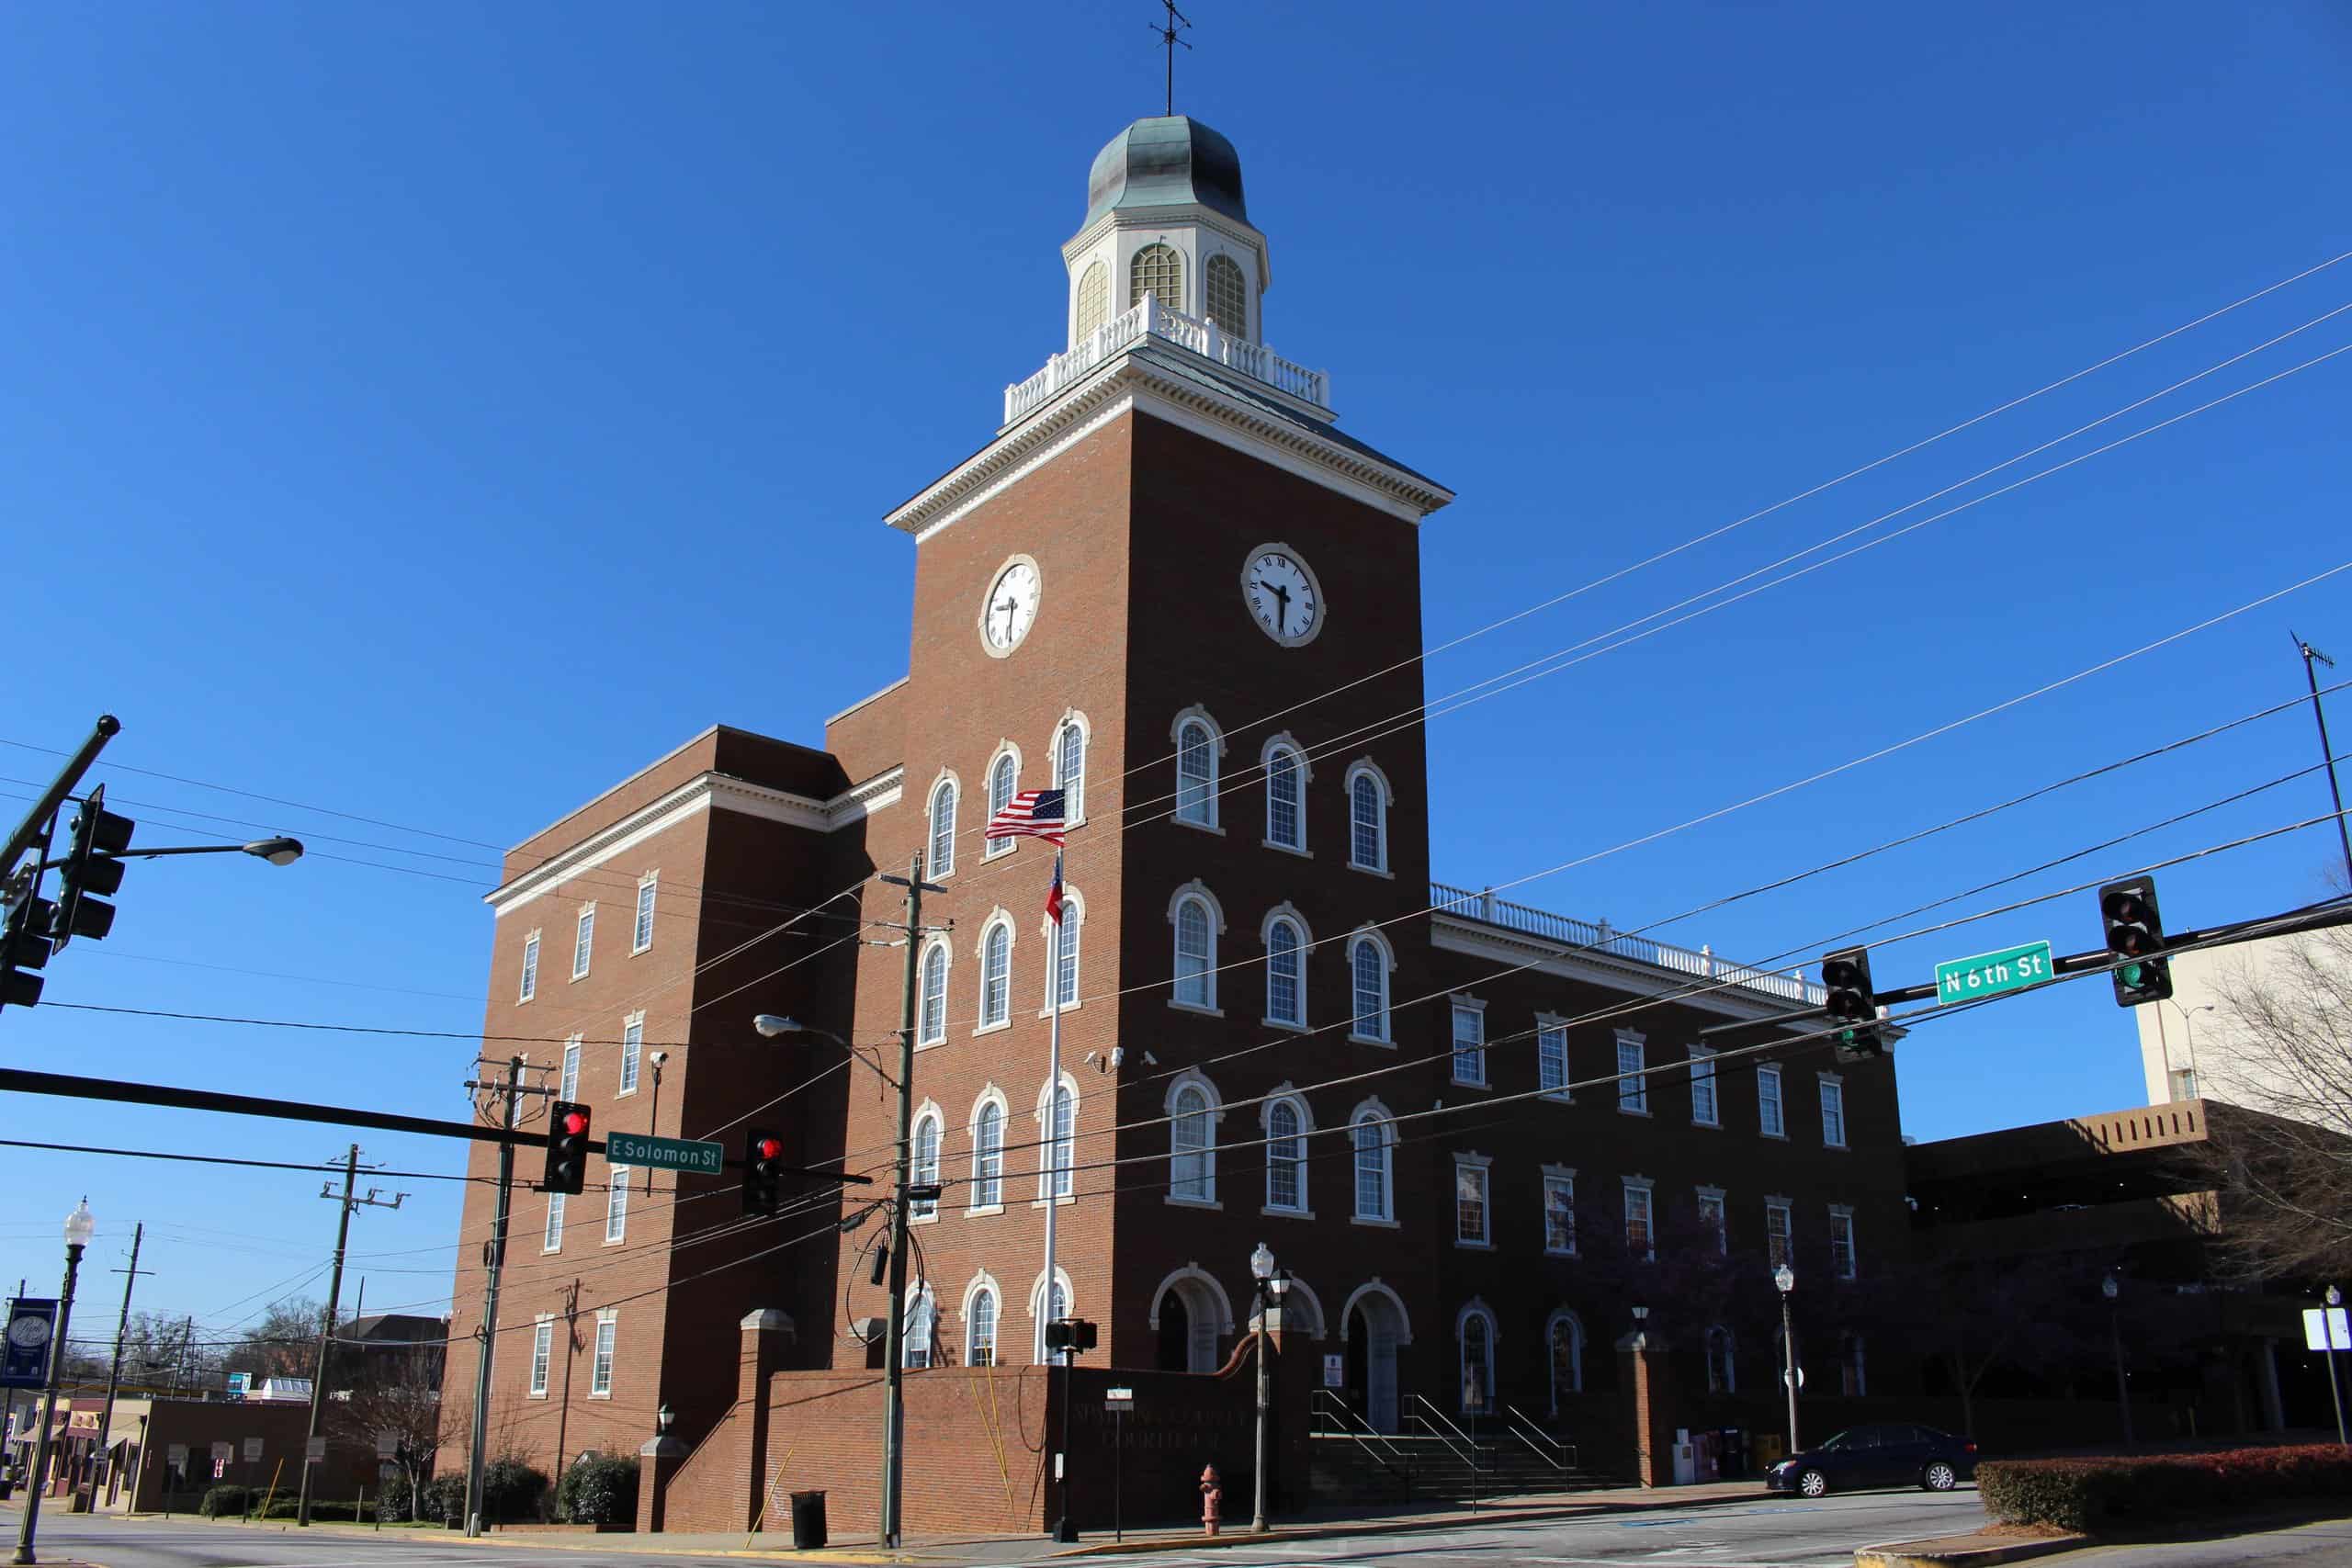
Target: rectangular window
(530, 968)
(553, 1240)
(632, 1048)
(1469, 1044)
(1640, 1239)
(1703, 1087)
(1841, 1241)
(1767, 1102)
(583, 942)
(1633, 1089)
(1470, 1204)
(1832, 1112)
(1776, 1231)
(600, 1374)
(1560, 1215)
(642, 938)
(1552, 1059)
(542, 1350)
(1711, 1217)
(617, 1205)
(571, 1078)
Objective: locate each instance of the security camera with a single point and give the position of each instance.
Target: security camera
(1118, 1055)
(660, 1058)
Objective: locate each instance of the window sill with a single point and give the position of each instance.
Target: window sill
(931, 1044)
(1065, 1008)
(615, 1241)
(1063, 1201)
(983, 1210)
(630, 1093)
(1299, 850)
(1559, 1252)
(1380, 1225)
(1272, 1213)
(998, 1027)
(1712, 1126)
(546, 1251)
(537, 1394)
(1557, 1097)
(1372, 871)
(930, 1219)
(998, 851)
(1840, 1147)
(577, 978)
(1471, 1083)
(1198, 827)
(1355, 1039)
(525, 1002)
(1174, 1201)
(1285, 1024)
(640, 952)
(607, 1395)
(1463, 1245)
(1633, 1110)
(1777, 1137)
(1205, 1011)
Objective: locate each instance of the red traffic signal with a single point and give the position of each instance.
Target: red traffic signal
(567, 1170)
(762, 1173)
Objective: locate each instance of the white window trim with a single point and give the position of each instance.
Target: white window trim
(606, 1317)
(1286, 1093)
(1714, 1086)
(1215, 824)
(1373, 1110)
(1286, 910)
(998, 918)
(1787, 1210)
(1387, 989)
(1639, 1084)
(1723, 1210)
(1363, 767)
(527, 984)
(582, 960)
(946, 779)
(1305, 774)
(651, 883)
(983, 1280)
(616, 1191)
(991, 1095)
(1648, 1187)
(928, 1111)
(1039, 1303)
(947, 990)
(1453, 1055)
(1194, 1079)
(1044, 1115)
(1196, 889)
(539, 1376)
(1072, 720)
(633, 1020)
(1476, 1307)
(1845, 1135)
(567, 1076)
(1549, 1174)
(1484, 1166)
(1073, 921)
(551, 1228)
(997, 849)
(1564, 1095)
(1770, 1073)
(1853, 1245)
(1575, 1364)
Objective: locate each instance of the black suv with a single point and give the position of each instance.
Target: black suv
(1893, 1453)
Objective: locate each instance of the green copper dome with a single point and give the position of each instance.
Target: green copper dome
(1170, 161)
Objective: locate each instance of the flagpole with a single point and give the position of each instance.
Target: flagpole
(1054, 1153)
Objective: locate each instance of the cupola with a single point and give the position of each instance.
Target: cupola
(1165, 216)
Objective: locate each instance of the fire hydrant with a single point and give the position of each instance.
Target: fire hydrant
(1212, 1500)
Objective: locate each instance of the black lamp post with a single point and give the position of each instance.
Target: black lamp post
(78, 1228)
(1785, 1280)
(2327, 1337)
(2111, 1287)
(1271, 1285)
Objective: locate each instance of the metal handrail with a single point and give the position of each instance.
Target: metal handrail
(1327, 1403)
(1437, 1417)
(1524, 1428)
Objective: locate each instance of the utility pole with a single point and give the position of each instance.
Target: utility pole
(494, 1254)
(10, 1428)
(335, 1301)
(2327, 754)
(114, 1373)
(894, 1371)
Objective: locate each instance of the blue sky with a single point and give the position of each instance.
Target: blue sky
(431, 413)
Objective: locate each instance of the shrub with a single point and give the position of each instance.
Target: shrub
(445, 1498)
(2083, 1493)
(599, 1490)
(511, 1491)
(226, 1502)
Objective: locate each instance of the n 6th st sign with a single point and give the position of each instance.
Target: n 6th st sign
(1989, 973)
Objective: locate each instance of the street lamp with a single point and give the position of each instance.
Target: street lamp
(2111, 1287)
(771, 1025)
(1271, 1284)
(2328, 1336)
(276, 851)
(79, 1225)
(1784, 1279)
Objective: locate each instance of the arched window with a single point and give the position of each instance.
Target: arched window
(1286, 1156)
(1093, 299)
(1368, 974)
(996, 974)
(1070, 770)
(988, 1155)
(1054, 1157)
(921, 1321)
(1367, 819)
(1563, 1337)
(933, 1022)
(1192, 1146)
(925, 1160)
(1849, 1366)
(1072, 923)
(1475, 1333)
(1286, 981)
(1376, 1197)
(1723, 1376)
(1285, 799)
(1196, 750)
(1229, 295)
(1196, 954)
(1159, 271)
(1004, 778)
(979, 1321)
(942, 829)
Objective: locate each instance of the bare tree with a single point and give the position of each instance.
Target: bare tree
(284, 1344)
(404, 1403)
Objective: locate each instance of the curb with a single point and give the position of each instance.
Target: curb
(493, 1537)
(1243, 1536)
(1894, 1555)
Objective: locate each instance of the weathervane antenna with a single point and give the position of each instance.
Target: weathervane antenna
(1176, 23)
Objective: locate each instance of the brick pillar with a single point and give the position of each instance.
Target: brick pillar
(767, 1336)
(1297, 1372)
(1648, 1383)
(656, 1462)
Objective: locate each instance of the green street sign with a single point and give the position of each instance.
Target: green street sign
(1989, 973)
(666, 1154)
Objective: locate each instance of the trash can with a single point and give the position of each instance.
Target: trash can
(808, 1520)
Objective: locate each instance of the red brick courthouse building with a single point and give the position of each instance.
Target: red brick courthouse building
(1172, 586)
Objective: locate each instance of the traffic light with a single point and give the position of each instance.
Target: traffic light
(1853, 1005)
(1071, 1334)
(89, 877)
(2135, 934)
(23, 944)
(762, 1172)
(567, 1148)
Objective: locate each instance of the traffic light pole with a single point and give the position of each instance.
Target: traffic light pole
(45, 808)
(2327, 755)
(894, 1373)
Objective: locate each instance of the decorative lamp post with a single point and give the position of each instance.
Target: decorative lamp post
(2111, 1287)
(1785, 1280)
(79, 1225)
(1271, 1284)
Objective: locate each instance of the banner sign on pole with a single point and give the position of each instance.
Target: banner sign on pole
(222, 1453)
(31, 1323)
(176, 1455)
(2334, 1336)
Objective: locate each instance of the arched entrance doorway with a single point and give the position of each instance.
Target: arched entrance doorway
(1375, 1325)
(1188, 1313)
(1175, 1335)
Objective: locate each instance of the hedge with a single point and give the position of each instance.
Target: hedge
(2084, 1494)
(598, 1490)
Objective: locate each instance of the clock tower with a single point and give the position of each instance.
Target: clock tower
(1172, 585)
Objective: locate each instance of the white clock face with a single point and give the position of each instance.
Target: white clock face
(1283, 594)
(1011, 606)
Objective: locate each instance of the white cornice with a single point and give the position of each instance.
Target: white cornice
(1595, 967)
(705, 792)
(1126, 383)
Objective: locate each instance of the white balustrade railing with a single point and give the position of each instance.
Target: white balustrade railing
(1148, 319)
(1482, 905)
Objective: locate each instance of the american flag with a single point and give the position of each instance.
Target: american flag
(1032, 813)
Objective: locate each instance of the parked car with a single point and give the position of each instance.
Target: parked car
(1893, 1453)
